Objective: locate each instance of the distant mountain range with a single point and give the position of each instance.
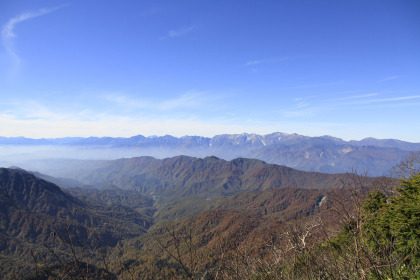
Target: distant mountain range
(223, 140)
(323, 154)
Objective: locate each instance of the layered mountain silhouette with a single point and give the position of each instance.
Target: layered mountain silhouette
(223, 140)
(183, 176)
(322, 154)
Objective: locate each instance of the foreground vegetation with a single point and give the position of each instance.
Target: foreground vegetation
(379, 239)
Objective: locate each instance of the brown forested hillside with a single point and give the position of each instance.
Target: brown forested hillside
(34, 212)
(263, 224)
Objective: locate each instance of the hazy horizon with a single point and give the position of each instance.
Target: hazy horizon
(211, 136)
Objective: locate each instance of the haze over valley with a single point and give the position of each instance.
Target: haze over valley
(322, 154)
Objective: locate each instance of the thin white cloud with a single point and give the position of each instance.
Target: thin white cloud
(174, 33)
(317, 85)
(402, 104)
(187, 100)
(33, 110)
(355, 96)
(271, 60)
(303, 109)
(390, 78)
(385, 100)
(255, 62)
(8, 33)
(125, 101)
(302, 105)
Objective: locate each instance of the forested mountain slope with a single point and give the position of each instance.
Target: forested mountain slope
(33, 212)
(209, 177)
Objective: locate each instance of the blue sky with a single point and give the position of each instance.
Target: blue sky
(349, 69)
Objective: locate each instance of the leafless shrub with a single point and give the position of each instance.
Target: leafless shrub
(408, 167)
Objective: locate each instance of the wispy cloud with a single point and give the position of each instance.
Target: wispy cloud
(269, 60)
(317, 85)
(255, 62)
(174, 33)
(385, 100)
(302, 105)
(8, 33)
(390, 78)
(302, 111)
(310, 108)
(187, 100)
(31, 109)
(355, 96)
